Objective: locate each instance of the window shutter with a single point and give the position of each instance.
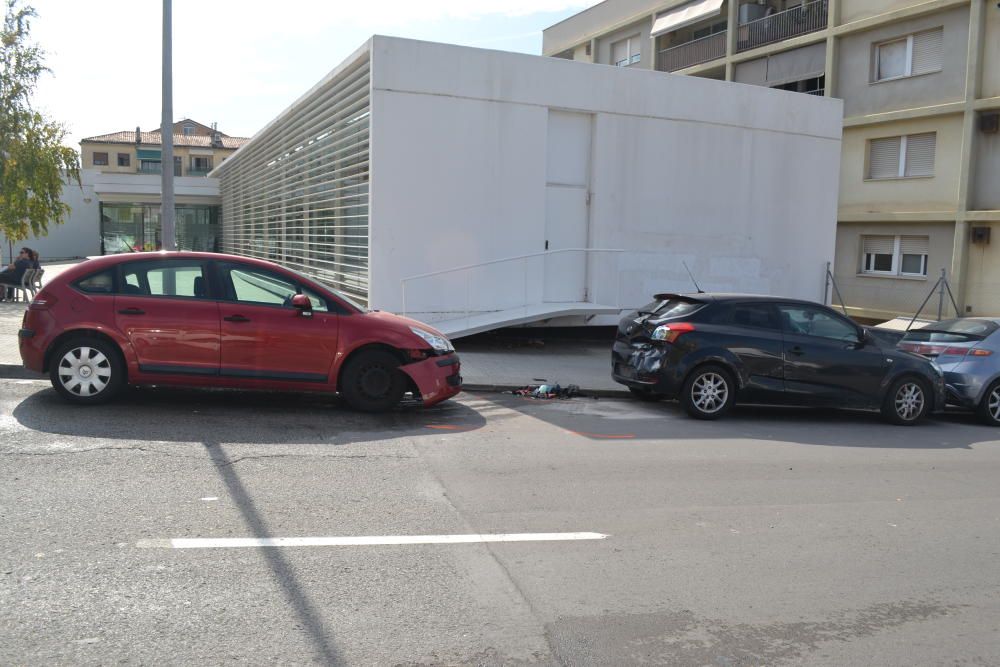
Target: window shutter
(879, 245)
(619, 52)
(914, 245)
(635, 46)
(927, 51)
(891, 60)
(920, 149)
(883, 158)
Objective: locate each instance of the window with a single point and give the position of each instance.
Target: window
(256, 286)
(170, 278)
(188, 130)
(755, 315)
(97, 283)
(709, 30)
(920, 53)
(908, 156)
(895, 255)
(100, 159)
(124, 160)
(811, 86)
(201, 163)
(626, 52)
(810, 321)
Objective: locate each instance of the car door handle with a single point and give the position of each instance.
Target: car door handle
(796, 351)
(131, 311)
(236, 318)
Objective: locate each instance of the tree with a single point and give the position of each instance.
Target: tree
(33, 160)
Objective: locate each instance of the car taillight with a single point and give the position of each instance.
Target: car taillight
(671, 332)
(979, 352)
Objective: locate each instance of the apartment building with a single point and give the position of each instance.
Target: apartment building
(121, 172)
(919, 183)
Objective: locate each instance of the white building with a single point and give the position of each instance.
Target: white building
(476, 188)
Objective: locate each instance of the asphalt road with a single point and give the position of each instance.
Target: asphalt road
(774, 537)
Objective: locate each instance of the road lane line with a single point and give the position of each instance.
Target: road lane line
(365, 541)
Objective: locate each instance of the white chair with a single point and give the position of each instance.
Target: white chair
(26, 290)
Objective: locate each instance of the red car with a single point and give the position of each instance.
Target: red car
(210, 320)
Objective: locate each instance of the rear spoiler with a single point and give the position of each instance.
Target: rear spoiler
(687, 298)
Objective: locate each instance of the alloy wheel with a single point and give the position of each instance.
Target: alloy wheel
(84, 371)
(993, 404)
(909, 401)
(709, 392)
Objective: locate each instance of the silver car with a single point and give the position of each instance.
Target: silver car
(968, 351)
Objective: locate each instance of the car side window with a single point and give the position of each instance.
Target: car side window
(251, 285)
(757, 316)
(98, 283)
(171, 278)
(808, 321)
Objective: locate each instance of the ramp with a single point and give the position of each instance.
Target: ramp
(480, 322)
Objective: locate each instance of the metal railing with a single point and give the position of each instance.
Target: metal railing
(819, 92)
(697, 51)
(518, 264)
(808, 17)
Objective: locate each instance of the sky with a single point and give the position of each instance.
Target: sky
(241, 62)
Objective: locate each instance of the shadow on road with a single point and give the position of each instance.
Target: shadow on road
(176, 415)
(622, 420)
(283, 571)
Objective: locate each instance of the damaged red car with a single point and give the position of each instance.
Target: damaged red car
(213, 320)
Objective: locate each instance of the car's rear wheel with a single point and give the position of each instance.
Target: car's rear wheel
(644, 394)
(87, 371)
(372, 381)
(989, 407)
(709, 392)
(907, 402)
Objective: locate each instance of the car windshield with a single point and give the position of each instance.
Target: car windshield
(952, 331)
(670, 308)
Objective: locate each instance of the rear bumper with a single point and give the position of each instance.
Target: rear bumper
(645, 367)
(437, 378)
(963, 389)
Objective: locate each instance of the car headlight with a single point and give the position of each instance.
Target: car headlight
(439, 343)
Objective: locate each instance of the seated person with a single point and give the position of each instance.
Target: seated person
(13, 274)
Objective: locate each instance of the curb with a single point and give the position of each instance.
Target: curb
(584, 392)
(18, 372)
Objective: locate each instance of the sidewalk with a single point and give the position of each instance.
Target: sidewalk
(488, 363)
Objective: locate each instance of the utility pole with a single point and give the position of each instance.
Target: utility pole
(168, 229)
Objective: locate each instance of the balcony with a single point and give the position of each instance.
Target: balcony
(199, 172)
(806, 18)
(693, 53)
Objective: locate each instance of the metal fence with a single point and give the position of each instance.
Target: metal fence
(694, 52)
(808, 17)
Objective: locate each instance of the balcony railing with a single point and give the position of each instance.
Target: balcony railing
(155, 168)
(199, 172)
(694, 52)
(808, 17)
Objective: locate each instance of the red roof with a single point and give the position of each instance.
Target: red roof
(153, 138)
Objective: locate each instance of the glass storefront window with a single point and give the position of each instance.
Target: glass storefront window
(137, 228)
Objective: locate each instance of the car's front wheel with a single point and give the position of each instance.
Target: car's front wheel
(372, 382)
(709, 392)
(87, 371)
(989, 407)
(907, 402)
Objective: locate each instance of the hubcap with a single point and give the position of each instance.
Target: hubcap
(84, 371)
(909, 401)
(994, 404)
(709, 392)
(375, 382)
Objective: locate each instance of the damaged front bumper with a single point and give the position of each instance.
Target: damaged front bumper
(437, 378)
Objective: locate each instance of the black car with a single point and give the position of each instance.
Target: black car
(713, 350)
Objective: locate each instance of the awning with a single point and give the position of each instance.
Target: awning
(144, 154)
(685, 15)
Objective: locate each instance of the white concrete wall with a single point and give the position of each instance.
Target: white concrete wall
(738, 181)
(79, 235)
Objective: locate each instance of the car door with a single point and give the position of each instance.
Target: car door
(752, 331)
(165, 309)
(264, 337)
(826, 361)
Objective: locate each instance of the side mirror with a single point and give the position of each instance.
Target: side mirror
(864, 337)
(302, 302)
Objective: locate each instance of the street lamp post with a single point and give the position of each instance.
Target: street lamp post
(168, 229)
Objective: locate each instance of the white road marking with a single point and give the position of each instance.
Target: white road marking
(243, 542)
(210, 498)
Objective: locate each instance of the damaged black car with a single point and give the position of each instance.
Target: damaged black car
(711, 351)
